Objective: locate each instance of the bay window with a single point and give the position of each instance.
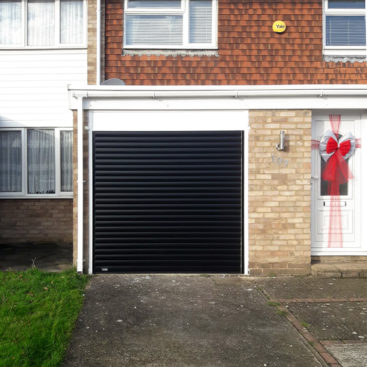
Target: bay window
(42, 23)
(345, 27)
(170, 24)
(35, 162)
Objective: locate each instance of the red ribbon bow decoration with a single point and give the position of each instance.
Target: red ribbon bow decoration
(335, 153)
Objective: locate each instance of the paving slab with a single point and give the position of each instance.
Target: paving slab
(349, 355)
(168, 321)
(313, 288)
(333, 321)
(333, 310)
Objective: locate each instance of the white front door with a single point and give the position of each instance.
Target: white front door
(323, 206)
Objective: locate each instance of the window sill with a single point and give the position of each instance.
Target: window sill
(345, 54)
(170, 52)
(26, 197)
(344, 51)
(43, 48)
(351, 59)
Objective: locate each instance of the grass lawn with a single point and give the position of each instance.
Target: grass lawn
(37, 315)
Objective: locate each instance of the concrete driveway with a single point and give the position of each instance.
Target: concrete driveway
(167, 320)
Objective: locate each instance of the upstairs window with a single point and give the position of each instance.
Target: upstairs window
(42, 23)
(170, 24)
(345, 27)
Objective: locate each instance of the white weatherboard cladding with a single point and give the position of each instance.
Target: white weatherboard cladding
(33, 86)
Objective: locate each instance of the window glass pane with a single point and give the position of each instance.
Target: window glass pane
(10, 161)
(200, 21)
(154, 4)
(10, 22)
(71, 22)
(41, 161)
(345, 31)
(346, 4)
(66, 154)
(41, 22)
(153, 30)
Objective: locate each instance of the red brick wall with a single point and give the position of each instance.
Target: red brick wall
(36, 220)
(249, 52)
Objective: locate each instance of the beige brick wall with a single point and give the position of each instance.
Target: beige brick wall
(36, 220)
(279, 193)
(92, 41)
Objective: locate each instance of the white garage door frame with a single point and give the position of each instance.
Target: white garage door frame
(170, 120)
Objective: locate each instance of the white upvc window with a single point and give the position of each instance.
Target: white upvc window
(36, 163)
(170, 24)
(345, 27)
(42, 23)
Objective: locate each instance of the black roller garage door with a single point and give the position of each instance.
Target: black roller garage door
(168, 202)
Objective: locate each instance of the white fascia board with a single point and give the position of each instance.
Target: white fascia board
(169, 120)
(220, 97)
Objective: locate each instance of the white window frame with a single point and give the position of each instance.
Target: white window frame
(343, 50)
(184, 11)
(24, 193)
(57, 44)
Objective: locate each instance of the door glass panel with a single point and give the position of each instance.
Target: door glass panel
(343, 189)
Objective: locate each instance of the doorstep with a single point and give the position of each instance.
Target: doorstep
(353, 269)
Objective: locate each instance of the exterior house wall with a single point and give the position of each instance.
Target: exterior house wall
(249, 52)
(35, 220)
(33, 93)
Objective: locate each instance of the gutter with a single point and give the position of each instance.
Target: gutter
(218, 91)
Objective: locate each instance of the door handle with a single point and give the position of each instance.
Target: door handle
(314, 177)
